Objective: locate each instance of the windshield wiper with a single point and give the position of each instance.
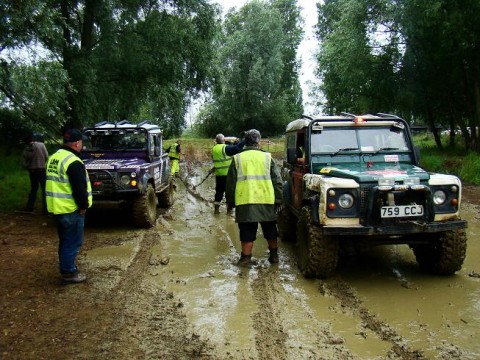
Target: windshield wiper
(344, 149)
(385, 149)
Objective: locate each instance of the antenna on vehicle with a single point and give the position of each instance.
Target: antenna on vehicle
(391, 115)
(307, 116)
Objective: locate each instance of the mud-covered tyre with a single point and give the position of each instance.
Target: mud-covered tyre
(444, 254)
(165, 198)
(317, 254)
(145, 208)
(287, 225)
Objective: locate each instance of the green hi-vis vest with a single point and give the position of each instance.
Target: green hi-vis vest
(254, 184)
(172, 152)
(58, 190)
(221, 162)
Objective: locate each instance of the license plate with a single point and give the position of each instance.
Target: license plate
(401, 211)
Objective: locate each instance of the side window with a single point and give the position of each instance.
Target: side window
(300, 148)
(153, 140)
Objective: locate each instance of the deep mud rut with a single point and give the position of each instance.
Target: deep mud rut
(174, 292)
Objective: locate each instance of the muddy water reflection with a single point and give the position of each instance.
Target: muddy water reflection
(434, 315)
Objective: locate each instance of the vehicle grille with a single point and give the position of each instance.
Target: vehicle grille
(103, 182)
(408, 197)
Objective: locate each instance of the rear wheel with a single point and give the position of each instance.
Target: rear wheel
(444, 254)
(287, 225)
(317, 253)
(165, 198)
(145, 208)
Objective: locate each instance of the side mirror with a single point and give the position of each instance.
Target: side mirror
(291, 156)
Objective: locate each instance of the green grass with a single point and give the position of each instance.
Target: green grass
(15, 184)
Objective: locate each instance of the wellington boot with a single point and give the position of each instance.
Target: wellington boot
(217, 209)
(273, 258)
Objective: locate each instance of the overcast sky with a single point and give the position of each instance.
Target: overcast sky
(307, 47)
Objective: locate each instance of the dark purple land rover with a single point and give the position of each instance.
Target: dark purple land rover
(127, 166)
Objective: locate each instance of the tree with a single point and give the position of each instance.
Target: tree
(120, 57)
(357, 71)
(257, 74)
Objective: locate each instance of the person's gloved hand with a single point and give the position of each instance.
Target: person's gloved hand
(278, 207)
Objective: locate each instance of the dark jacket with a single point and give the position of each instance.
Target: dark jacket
(254, 212)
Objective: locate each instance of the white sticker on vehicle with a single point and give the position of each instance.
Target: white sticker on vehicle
(391, 158)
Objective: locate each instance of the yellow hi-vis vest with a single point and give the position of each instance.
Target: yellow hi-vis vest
(221, 162)
(58, 190)
(254, 184)
(173, 153)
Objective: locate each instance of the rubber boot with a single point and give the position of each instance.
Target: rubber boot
(229, 210)
(244, 260)
(217, 209)
(273, 258)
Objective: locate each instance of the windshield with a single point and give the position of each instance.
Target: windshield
(114, 140)
(333, 140)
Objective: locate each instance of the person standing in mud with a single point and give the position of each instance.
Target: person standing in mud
(174, 152)
(222, 158)
(69, 195)
(254, 188)
(34, 159)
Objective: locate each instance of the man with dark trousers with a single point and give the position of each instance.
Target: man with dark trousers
(69, 195)
(254, 187)
(222, 157)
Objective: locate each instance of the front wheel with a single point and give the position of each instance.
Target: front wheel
(317, 253)
(165, 198)
(444, 253)
(287, 225)
(145, 208)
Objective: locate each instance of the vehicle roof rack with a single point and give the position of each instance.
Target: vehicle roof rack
(347, 114)
(101, 123)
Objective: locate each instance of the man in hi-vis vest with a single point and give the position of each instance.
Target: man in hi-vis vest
(254, 188)
(68, 195)
(222, 158)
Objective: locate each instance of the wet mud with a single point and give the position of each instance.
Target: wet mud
(175, 292)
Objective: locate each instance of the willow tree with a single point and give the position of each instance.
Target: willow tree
(257, 72)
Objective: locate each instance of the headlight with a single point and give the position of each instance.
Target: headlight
(345, 201)
(125, 179)
(439, 197)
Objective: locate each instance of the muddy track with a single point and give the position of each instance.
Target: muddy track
(148, 318)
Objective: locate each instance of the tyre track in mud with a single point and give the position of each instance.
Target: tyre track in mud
(142, 320)
(348, 299)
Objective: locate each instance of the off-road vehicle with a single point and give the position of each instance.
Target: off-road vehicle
(126, 166)
(353, 182)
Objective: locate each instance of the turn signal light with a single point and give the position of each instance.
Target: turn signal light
(331, 206)
(133, 182)
(454, 202)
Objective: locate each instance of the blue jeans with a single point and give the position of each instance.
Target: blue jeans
(70, 234)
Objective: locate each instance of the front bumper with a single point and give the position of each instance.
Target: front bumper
(405, 228)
